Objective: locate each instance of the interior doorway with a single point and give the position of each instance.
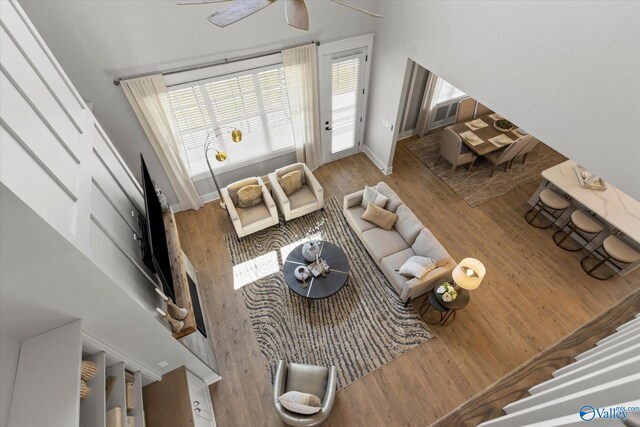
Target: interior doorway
(428, 102)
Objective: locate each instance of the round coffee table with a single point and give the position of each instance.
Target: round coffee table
(318, 287)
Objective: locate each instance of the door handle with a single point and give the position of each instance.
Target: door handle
(328, 128)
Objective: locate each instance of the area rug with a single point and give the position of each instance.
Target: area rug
(359, 329)
(479, 187)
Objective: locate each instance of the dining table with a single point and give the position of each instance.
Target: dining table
(481, 137)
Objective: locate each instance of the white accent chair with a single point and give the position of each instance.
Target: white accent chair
(505, 156)
(309, 198)
(454, 152)
(255, 218)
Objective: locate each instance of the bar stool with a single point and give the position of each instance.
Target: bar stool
(580, 221)
(614, 250)
(547, 199)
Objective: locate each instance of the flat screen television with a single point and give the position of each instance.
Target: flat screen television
(155, 252)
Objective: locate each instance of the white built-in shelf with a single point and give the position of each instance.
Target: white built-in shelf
(93, 408)
(118, 396)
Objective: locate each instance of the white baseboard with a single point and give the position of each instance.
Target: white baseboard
(209, 197)
(406, 134)
(206, 198)
(376, 161)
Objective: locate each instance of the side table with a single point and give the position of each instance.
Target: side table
(447, 309)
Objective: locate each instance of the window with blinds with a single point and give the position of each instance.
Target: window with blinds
(254, 102)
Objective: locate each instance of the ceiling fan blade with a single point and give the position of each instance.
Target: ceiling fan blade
(237, 11)
(297, 15)
(375, 15)
(189, 2)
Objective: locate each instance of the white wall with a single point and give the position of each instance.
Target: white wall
(566, 71)
(9, 353)
(96, 41)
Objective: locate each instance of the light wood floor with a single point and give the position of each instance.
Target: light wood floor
(534, 293)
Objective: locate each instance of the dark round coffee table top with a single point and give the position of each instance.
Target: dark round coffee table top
(459, 303)
(318, 287)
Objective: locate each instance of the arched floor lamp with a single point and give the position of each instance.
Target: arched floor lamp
(221, 156)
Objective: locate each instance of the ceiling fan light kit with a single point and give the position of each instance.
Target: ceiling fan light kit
(295, 11)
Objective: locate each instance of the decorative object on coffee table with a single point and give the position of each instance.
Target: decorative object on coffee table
(302, 273)
(468, 274)
(311, 250)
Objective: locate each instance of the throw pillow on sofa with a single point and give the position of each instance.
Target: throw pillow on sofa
(428, 246)
(291, 182)
(380, 217)
(394, 200)
(417, 266)
(249, 195)
(301, 403)
(372, 196)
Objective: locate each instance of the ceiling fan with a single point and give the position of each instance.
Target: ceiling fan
(296, 11)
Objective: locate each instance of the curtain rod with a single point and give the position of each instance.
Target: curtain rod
(212, 64)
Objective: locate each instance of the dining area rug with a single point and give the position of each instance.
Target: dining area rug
(359, 329)
(479, 187)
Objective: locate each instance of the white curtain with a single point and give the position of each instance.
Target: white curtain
(149, 99)
(429, 100)
(301, 75)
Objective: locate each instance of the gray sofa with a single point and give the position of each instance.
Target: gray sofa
(390, 249)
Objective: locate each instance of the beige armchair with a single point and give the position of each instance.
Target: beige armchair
(452, 150)
(316, 380)
(308, 199)
(255, 218)
(505, 156)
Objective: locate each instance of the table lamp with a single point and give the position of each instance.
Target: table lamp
(468, 274)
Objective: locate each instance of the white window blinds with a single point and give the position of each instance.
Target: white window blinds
(345, 98)
(254, 102)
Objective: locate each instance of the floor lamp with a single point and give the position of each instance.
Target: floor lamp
(221, 156)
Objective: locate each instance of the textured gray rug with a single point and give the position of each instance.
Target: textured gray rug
(478, 186)
(359, 329)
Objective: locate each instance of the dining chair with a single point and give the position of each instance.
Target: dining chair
(466, 107)
(481, 110)
(531, 144)
(454, 152)
(505, 156)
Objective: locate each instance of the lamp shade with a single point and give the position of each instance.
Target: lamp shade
(468, 274)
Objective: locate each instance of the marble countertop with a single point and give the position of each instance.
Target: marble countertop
(612, 205)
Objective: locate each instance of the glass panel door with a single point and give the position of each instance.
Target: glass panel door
(342, 118)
